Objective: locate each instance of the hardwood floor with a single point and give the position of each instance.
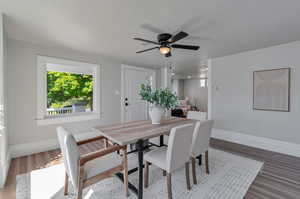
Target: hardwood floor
(279, 179)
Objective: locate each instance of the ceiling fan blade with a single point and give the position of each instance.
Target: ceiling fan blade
(168, 54)
(147, 50)
(187, 47)
(145, 40)
(179, 36)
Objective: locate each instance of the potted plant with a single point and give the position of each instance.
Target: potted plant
(159, 100)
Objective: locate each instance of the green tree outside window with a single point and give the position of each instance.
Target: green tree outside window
(65, 89)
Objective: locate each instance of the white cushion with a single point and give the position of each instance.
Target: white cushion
(104, 163)
(177, 153)
(101, 164)
(179, 147)
(158, 157)
(86, 135)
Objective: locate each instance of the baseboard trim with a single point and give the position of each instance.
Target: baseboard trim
(258, 142)
(19, 150)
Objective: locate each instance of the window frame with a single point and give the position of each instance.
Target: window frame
(70, 66)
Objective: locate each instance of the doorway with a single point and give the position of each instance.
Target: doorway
(132, 107)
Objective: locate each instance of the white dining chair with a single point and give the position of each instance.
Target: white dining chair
(197, 115)
(82, 138)
(200, 144)
(173, 157)
(92, 167)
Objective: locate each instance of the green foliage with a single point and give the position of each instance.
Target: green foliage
(64, 89)
(161, 97)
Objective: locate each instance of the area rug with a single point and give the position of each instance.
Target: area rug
(230, 177)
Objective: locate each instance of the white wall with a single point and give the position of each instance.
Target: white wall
(22, 93)
(165, 77)
(4, 157)
(197, 96)
(178, 87)
(232, 101)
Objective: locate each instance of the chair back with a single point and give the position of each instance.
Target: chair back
(201, 137)
(179, 146)
(71, 154)
(61, 135)
(196, 115)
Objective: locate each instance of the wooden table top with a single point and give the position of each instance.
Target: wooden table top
(131, 132)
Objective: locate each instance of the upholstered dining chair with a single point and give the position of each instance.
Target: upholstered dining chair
(197, 115)
(81, 139)
(200, 144)
(172, 157)
(90, 168)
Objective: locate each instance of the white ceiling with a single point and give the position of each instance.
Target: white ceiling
(220, 27)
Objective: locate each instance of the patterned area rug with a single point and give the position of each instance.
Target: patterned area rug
(230, 177)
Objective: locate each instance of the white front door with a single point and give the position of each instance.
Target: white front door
(133, 107)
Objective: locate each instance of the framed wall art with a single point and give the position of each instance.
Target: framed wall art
(271, 89)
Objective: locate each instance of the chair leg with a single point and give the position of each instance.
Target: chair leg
(164, 173)
(66, 184)
(125, 165)
(146, 177)
(106, 143)
(206, 162)
(80, 183)
(187, 175)
(194, 170)
(169, 186)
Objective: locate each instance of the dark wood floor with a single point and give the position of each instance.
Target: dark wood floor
(279, 179)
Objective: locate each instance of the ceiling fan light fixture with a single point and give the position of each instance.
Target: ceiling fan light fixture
(167, 42)
(164, 50)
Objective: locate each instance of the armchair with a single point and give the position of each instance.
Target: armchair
(90, 168)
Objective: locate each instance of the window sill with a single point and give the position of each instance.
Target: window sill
(68, 118)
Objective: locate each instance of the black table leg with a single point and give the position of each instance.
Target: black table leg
(199, 157)
(130, 186)
(161, 140)
(140, 148)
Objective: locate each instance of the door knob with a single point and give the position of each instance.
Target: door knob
(126, 104)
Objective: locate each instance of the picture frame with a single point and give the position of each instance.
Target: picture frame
(271, 89)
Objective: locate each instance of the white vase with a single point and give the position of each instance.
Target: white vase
(156, 113)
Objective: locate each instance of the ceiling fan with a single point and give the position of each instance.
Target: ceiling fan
(165, 42)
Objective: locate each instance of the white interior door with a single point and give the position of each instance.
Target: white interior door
(133, 107)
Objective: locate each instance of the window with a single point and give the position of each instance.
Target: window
(69, 93)
(202, 83)
(67, 90)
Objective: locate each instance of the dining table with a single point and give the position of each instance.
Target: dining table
(138, 133)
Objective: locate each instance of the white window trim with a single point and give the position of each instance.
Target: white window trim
(68, 66)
